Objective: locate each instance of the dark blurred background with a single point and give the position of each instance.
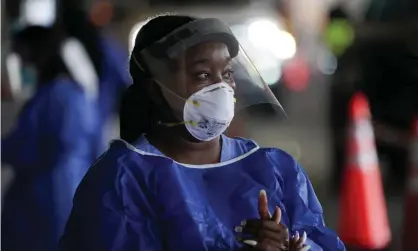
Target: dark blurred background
(314, 54)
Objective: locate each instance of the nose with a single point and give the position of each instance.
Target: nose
(217, 78)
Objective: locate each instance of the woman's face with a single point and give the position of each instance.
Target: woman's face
(204, 64)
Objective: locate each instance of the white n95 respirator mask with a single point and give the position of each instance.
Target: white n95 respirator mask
(208, 112)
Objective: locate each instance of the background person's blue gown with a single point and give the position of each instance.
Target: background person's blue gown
(133, 198)
(115, 76)
(112, 82)
(50, 149)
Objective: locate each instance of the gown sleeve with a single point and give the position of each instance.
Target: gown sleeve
(110, 213)
(305, 212)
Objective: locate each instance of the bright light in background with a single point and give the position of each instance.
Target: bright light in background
(266, 63)
(266, 34)
(133, 33)
(39, 13)
(268, 67)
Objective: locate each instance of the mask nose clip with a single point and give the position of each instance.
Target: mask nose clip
(194, 102)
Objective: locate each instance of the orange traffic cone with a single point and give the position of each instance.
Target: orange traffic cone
(410, 231)
(363, 214)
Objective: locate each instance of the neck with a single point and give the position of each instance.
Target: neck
(184, 149)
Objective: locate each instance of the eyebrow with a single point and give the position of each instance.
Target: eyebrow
(206, 60)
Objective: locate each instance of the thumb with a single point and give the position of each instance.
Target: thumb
(277, 216)
(263, 209)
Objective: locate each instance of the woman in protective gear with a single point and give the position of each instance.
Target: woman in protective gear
(174, 181)
(109, 59)
(49, 149)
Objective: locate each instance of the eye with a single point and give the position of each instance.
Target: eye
(203, 76)
(228, 75)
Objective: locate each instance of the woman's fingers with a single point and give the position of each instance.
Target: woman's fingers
(260, 224)
(252, 243)
(277, 216)
(278, 237)
(300, 241)
(264, 229)
(265, 245)
(263, 234)
(297, 236)
(263, 209)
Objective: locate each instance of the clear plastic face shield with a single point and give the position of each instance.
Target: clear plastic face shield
(202, 66)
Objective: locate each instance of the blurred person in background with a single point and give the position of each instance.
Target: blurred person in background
(60, 130)
(109, 58)
(50, 147)
(174, 181)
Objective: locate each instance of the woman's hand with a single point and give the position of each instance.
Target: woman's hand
(297, 243)
(267, 233)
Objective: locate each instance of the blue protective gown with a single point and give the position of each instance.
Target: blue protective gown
(134, 198)
(50, 149)
(113, 81)
(115, 76)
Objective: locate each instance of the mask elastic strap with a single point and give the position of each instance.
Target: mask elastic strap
(193, 102)
(137, 63)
